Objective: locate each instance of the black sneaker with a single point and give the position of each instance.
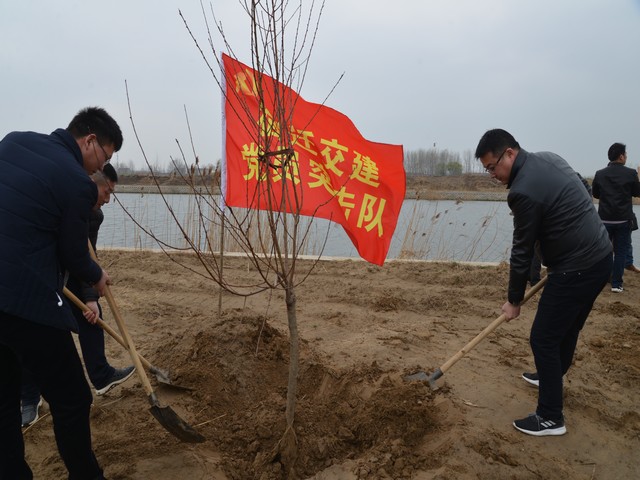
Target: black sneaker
(535, 425)
(532, 378)
(30, 413)
(120, 375)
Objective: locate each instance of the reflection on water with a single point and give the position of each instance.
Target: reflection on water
(477, 231)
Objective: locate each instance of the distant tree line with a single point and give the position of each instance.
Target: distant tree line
(171, 167)
(440, 163)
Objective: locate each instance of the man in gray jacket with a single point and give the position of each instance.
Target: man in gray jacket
(551, 206)
(615, 185)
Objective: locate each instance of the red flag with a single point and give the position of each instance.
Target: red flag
(341, 176)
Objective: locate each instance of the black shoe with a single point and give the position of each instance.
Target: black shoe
(30, 413)
(120, 375)
(535, 425)
(532, 378)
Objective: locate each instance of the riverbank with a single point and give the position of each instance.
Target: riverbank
(470, 187)
(459, 188)
(411, 193)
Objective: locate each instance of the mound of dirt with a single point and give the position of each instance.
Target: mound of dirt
(363, 328)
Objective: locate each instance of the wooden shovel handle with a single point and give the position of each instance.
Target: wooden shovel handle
(489, 328)
(135, 357)
(102, 324)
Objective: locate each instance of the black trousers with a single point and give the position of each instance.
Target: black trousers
(565, 304)
(51, 357)
(91, 339)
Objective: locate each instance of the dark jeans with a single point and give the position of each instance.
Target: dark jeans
(51, 357)
(620, 236)
(564, 306)
(92, 345)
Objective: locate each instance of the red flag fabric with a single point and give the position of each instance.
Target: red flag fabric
(339, 175)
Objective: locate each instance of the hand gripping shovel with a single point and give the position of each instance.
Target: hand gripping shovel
(469, 346)
(162, 375)
(165, 415)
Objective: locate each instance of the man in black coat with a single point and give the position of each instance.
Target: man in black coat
(614, 186)
(551, 207)
(46, 197)
(102, 375)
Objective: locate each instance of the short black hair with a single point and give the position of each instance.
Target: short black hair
(615, 151)
(97, 121)
(110, 172)
(495, 141)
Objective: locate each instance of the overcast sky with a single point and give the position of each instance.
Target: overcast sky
(560, 75)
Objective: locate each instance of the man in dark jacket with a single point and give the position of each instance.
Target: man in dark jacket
(615, 186)
(550, 206)
(46, 197)
(102, 375)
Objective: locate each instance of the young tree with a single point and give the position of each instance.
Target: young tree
(282, 38)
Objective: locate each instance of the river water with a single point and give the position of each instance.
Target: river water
(476, 231)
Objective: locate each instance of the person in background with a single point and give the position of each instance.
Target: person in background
(103, 376)
(46, 197)
(615, 186)
(550, 206)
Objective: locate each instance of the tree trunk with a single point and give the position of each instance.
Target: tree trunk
(288, 445)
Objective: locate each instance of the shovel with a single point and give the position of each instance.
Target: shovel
(166, 416)
(161, 375)
(422, 376)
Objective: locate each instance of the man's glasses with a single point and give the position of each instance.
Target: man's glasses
(106, 157)
(492, 168)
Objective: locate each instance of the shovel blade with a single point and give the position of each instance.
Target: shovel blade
(175, 425)
(163, 377)
(418, 376)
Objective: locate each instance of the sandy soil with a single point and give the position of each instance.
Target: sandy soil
(363, 328)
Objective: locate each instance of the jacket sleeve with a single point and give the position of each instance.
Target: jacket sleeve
(89, 293)
(72, 237)
(527, 216)
(595, 187)
(635, 189)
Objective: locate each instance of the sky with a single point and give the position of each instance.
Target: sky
(561, 76)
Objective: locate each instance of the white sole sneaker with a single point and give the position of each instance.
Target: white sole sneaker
(531, 381)
(543, 433)
(115, 383)
(33, 420)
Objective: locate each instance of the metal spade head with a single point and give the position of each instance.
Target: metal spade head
(163, 377)
(423, 377)
(173, 423)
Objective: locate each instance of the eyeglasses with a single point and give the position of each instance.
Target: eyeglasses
(107, 158)
(492, 168)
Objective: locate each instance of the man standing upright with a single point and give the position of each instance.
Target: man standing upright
(46, 197)
(550, 206)
(614, 186)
